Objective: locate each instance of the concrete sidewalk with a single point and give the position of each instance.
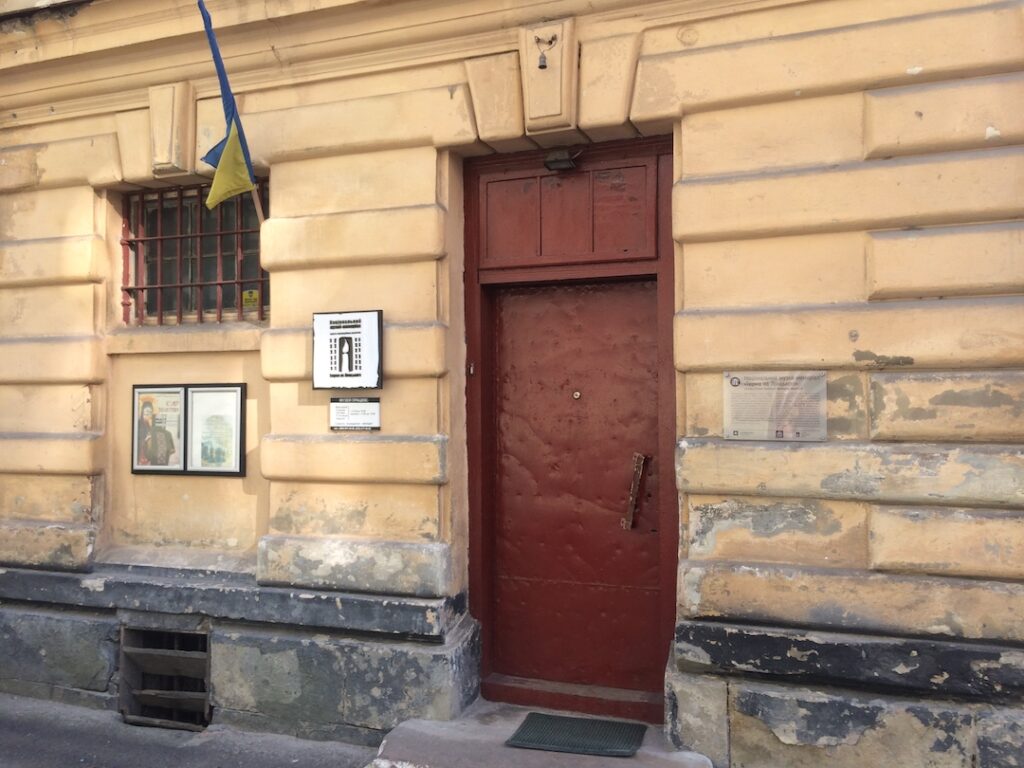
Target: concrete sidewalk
(477, 740)
(45, 734)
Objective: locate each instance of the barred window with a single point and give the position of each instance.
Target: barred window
(186, 264)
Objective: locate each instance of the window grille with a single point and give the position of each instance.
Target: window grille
(186, 264)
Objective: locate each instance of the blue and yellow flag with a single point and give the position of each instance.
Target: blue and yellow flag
(231, 154)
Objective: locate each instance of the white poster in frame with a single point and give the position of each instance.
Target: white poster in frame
(216, 429)
(348, 350)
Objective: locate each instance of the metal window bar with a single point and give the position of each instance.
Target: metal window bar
(145, 281)
(177, 244)
(239, 258)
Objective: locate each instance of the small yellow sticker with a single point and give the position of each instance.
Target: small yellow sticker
(250, 299)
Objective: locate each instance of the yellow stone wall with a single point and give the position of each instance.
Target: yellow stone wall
(848, 196)
(848, 199)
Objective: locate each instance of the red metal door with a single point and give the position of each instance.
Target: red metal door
(569, 310)
(576, 395)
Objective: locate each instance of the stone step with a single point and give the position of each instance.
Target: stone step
(477, 740)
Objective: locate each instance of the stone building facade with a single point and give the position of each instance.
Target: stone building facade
(833, 185)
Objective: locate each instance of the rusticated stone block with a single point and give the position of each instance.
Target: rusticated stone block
(62, 546)
(69, 310)
(893, 335)
(411, 405)
(358, 565)
(92, 160)
(440, 117)
(55, 360)
(773, 726)
(847, 409)
(607, 70)
(961, 114)
(853, 600)
(921, 263)
(943, 540)
(363, 509)
(807, 531)
(409, 351)
(408, 293)
(309, 683)
(386, 235)
(395, 178)
(54, 260)
(972, 186)
(373, 459)
(988, 475)
(808, 269)
(497, 95)
(1001, 739)
(35, 408)
(697, 714)
(975, 406)
(67, 453)
(64, 649)
(915, 666)
(805, 132)
(58, 499)
(846, 59)
(29, 215)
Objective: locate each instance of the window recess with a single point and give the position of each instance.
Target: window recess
(185, 264)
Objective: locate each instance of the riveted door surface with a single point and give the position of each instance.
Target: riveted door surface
(576, 396)
(569, 306)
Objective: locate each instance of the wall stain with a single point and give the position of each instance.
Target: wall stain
(848, 390)
(763, 520)
(881, 361)
(20, 22)
(904, 410)
(982, 397)
(811, 721)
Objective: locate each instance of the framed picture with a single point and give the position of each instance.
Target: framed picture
(348, 350)
(158, 429)
(215, 438)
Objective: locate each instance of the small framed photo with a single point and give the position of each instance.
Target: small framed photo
(215, 443)
(158, 429)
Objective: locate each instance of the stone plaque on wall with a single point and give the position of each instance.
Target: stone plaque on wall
(774, 405)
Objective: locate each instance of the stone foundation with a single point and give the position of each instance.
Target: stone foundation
(760, 697)
(327, 665)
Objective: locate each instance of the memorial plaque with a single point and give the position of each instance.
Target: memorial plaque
(355, 413)
(776, 405)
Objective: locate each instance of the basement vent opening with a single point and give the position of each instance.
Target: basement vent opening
(165, 678)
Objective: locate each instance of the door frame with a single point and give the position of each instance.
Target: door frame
(480, 358)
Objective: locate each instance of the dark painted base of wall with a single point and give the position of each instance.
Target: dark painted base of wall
(314, 664)
(761, 697)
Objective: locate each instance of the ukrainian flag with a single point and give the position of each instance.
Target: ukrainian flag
(231, 155)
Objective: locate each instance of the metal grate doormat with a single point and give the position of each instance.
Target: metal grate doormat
(578, 735)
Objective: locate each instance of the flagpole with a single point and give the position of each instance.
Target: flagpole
(255, 192)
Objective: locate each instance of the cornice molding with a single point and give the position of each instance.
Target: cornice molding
(106, 57)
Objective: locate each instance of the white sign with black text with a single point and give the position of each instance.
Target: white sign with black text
(347, 350)
(775, 405)
(355, 413)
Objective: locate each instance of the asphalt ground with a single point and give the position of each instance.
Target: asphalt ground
(45, 734)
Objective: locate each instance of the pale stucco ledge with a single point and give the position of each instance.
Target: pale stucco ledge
(356, 565)
(167, 339)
